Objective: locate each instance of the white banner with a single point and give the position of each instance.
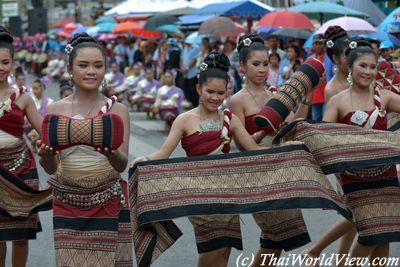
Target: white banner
(10, 9)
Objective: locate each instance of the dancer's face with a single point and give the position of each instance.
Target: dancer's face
(88, 68)
(256, 66)
(212, 93)
(364, 70)
(5, 64)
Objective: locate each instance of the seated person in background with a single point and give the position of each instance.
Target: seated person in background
(133, 77)
(147, 91)
(115, 83)
(66, 89)
(169, 99)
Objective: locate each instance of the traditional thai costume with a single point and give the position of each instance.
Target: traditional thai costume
(215, 231)
(284, 229)
(131, 84)
(169, 101)
(147, 92)
(90, 213)
(373, 194)
(115, 83)
(17, 165)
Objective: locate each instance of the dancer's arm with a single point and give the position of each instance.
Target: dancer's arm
(31, 112)
(49, 159)
(390, 100)
(172, 141)
(332, 110)
(241, 136)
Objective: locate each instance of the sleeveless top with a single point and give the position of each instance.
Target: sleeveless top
(373, 119)
(12, 122)
(210, 142)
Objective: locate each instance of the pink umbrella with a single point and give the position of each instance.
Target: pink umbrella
(350, 24)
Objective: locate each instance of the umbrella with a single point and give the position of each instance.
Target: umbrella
(79, 30)
(68, 29)
(323, 11)
(126, 27)
(376, 16)
(195, 38)
(106, 27)
(393, 27)
(382, 36)
(264, 32)
(63, 22)
(218, 26)
(53, 31)
(159, 20)
(105, 19)
(93, 31)
(286, 19)
(168, 29)
(146, 34)
(350, 24)
(392, 17)
(292, 33)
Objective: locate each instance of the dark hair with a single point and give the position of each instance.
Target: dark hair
(83, 40)
(19, 72)
(6, 40)
(65, 85)
(337, 36)
(249, 43)
(361, 48)
(215, 65)
(273, 54)
(295, 48)
(38, 81)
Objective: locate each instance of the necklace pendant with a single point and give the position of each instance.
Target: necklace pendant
(359, 117)
(209, 125)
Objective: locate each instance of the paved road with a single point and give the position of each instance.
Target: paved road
(146, 137)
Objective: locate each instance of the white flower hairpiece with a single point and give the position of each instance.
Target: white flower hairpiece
(68, 49)
(203, 66)
(247, 42)
(330, 43)
(353, 44)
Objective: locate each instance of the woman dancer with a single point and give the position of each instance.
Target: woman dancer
(15, 156)
(336, 42)
(205, 130)
(376, 215)
(89, 232)
(282, 229)
(169, 99)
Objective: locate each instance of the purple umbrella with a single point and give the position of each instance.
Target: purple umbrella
(350, 24)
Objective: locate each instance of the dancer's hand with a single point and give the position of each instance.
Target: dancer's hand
(107, 152)
(290, 143)
(138, 159)
(45, 151)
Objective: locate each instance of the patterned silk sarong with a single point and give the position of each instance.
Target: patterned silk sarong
(339, 147)
(17, 199)
(247, 182)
